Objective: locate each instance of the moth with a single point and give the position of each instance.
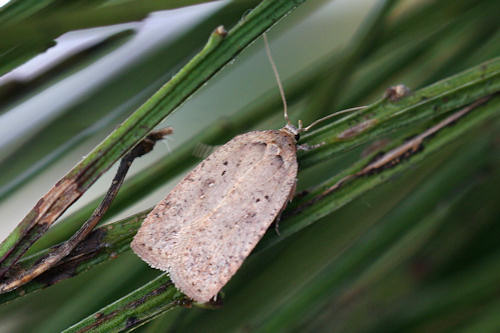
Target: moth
(209, 223)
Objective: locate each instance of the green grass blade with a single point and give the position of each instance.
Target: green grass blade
(135, 309)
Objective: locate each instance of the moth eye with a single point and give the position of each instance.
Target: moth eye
(297, 137)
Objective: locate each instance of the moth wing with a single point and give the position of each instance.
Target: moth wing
(196, 195)
(207, 225)
(212, 248)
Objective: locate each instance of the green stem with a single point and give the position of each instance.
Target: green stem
(135, 309)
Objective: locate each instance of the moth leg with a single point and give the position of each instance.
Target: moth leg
(278, 218)
(277, 225)
(58, 252)
(306, 147)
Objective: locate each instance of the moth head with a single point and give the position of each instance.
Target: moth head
(292, 130)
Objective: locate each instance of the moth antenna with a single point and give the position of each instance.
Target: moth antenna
(314, 123)
(278, 80)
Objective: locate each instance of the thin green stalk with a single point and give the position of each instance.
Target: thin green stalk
(386, 116)
(112, 282)
(135, 309)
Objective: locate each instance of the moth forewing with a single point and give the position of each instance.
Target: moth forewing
(209, 223)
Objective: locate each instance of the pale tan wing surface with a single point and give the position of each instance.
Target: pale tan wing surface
(216, 215)
(196, 195)
(215, 246)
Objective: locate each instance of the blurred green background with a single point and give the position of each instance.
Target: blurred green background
(419, 253)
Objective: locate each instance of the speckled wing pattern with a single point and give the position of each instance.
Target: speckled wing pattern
(209, 223)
